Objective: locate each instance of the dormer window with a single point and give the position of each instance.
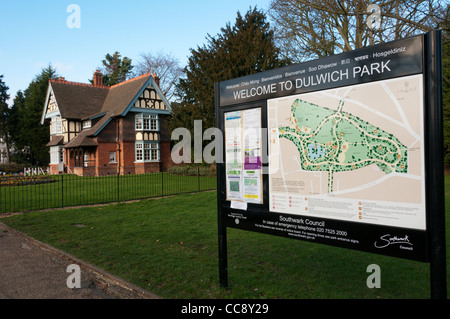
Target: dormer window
(87, 124)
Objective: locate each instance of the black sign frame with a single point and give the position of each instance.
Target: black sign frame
(422, 54)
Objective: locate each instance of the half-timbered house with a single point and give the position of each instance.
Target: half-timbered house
(102, 130)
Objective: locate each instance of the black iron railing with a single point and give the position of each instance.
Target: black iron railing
(19, 193)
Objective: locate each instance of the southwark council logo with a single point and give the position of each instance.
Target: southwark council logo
(388, 240)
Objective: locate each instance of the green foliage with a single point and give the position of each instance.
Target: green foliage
(4, 111)
(11, 168)
(193, 170)
(4, 96)
(245, 48)
(29, 136)
(116, 68)
(17, 140)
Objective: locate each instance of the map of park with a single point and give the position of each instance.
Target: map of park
(359, 142)
(330, 140)
(350, 153)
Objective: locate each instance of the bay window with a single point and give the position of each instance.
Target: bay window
(56, 155)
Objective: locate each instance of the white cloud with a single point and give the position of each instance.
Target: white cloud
(62, 68)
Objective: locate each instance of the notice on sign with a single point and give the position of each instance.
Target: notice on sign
(353, 153)
(243, 156)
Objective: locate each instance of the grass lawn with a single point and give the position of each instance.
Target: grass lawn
(169, 247)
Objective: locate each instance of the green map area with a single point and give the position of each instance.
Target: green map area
(335, 141)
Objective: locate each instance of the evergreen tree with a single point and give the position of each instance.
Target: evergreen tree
(116, 69)
(17, 141)
(32, 135)
(4, 115)
(245, 48)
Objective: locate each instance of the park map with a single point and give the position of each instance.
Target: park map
(335, 141)
(351, 153)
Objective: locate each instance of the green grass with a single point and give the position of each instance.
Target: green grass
(72, 190)
(169, 247)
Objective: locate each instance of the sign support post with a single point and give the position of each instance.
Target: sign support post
(222, 230)
(435, 168)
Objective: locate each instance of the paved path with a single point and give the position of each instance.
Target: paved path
(30, 269)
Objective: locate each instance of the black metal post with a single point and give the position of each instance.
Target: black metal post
(222, 230)
(118, 186)
(62, 190)
(223, 259)
(435, 178)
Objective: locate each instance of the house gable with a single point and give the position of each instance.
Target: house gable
(73, 100)
(51, 108)
(149, 98)
(52, 104)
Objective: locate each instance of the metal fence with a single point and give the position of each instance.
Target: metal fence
(20, 194)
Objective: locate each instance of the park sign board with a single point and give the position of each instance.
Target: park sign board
(348, 150)
(394, 59)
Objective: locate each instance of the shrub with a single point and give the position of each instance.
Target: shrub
(193, 170)
(11, 168)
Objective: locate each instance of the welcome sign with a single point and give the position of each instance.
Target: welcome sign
(364, 65)
(344, 150)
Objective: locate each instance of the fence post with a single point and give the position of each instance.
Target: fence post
(118, 186)
(198, 178)
(62, 190)
(162, 184)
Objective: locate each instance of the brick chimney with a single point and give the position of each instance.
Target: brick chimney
(156, 78)
(98, 78)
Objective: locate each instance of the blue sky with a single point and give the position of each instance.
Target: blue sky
(34, 34)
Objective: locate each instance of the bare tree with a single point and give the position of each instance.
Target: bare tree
(308, 29)
(165, 66)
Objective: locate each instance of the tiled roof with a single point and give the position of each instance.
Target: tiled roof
(56, 140)
(82, 139)
(121, 95)
(77, 101)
